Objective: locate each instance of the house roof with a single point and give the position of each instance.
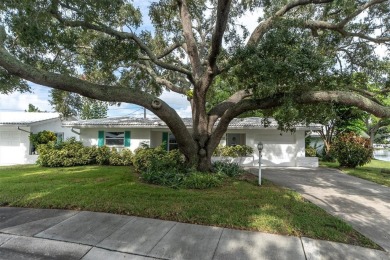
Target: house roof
(25, 118)
(121, 122)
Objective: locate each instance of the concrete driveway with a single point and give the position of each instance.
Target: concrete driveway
(363, 204)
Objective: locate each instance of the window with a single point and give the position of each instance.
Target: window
(115, 138)
(60, 137)
(235, 139)
(172, 143)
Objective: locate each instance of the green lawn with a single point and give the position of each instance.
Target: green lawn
(239, 204)
(372, 171)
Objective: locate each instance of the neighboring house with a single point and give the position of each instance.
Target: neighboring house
(15, 129)
(280, 148)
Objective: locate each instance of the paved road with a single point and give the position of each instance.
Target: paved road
(363, 204)
(65, 234)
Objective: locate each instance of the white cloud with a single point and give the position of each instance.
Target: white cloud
(185, 112)
(19, 101)
(174, 99)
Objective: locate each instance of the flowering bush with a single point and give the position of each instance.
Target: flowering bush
(352, 150)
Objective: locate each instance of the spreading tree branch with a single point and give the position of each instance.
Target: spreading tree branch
(99, 92)
(219, 30)
(160, 80)
(118, 34)
(191, 46)
(218, 110)
(264, 26)
(340, 27)
(345, 98)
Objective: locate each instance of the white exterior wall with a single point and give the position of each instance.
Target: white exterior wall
(89, 136)
(15, 144)
(280, 148)
(54, 126)
(156, 137)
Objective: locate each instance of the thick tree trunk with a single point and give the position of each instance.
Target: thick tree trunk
(204, 164)
(372, 137)
(199, 158)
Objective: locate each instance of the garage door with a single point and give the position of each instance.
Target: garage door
(11, 151)
(279, 150)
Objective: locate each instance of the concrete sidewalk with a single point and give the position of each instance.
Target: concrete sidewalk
(363, 204)
(65, 234)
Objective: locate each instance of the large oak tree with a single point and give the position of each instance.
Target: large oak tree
(302, 52)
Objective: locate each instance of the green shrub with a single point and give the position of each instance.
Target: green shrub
(65, 154)
(310, 152)
(157, 158)
(103, 154)
(127, 157)
(143, 156)
(352, 150)
(73, 153)
(43, 137)
(175, 179)
(233, 151)
(227, 168)
(329, 156)
(167, 177)
(115, 158)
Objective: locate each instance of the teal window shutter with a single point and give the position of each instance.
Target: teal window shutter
(165, 140)
(127, 138)
(101, 138)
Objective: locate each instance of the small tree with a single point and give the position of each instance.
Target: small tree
(32, 108)
(352, 150)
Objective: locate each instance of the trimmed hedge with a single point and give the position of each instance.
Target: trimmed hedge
(74, 153)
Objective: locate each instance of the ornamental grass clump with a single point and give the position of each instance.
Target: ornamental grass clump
(352, 150)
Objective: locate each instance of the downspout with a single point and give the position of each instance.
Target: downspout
(30, 145)
(20, 129)
(73, 131)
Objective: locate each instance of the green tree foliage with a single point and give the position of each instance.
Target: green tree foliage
(302, 58)
(42, 137)
(67, 103)
(10, 83)
(32, 108)
(92, 109)
(72, 104)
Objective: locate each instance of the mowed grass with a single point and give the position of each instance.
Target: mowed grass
(239, 204)
(375, 171)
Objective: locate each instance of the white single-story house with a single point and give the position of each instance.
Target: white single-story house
(280, 148)
(15, 129)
